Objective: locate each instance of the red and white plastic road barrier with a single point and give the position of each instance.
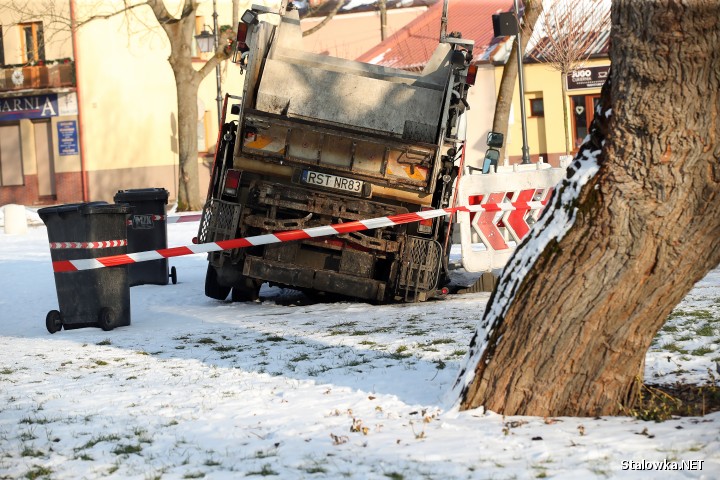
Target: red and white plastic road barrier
(488, 237)
(284, 236)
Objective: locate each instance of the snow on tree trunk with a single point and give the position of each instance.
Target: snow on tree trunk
(629, 232)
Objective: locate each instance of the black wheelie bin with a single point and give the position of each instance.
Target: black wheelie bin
(97, 297)
(147, 230)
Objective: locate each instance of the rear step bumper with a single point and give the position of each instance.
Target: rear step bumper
(322, 280)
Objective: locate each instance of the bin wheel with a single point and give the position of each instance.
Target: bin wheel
(212, 288)
(173, 275)
(53, 321)
(106, 319)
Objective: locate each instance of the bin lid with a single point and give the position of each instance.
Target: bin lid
(83, 208)
(141, 195)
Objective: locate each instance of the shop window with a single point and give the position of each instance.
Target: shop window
(11, 169)
(537, 107)
(33, 42)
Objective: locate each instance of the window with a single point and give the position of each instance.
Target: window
(33, 42)
(537, 107)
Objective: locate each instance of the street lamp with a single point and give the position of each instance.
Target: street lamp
(521, 81)
(208, 42)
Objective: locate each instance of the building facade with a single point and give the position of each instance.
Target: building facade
(84, 114)
(545, 117)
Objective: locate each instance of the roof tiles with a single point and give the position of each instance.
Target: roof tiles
(411, 47)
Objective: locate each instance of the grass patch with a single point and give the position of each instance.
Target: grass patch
(663, 402)
(360, 333)
(127, 449)
(7, 371)
(440, 341)
(300, 358)
(674, 347)
(417, 333)
(395, 476)
(314, 470)
(265, 471)
(95, 440)
(27, 436)
(104, 342)
(206, 341)
(706, 330)
(35, 421)
(400, 353)
(223, 348)
(194, 475)
(699, 314)
(702, 351)
(38, 471)
(29, 452)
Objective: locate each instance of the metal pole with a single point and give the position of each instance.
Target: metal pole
(444, 21)
(521, 81)
(217, 67)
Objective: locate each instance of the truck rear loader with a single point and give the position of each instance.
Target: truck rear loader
(316, 140)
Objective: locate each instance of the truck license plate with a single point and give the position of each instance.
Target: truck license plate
(331, 181)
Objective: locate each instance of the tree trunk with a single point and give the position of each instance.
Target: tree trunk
(566, 116)
(569, 336)
(382, 5)
(510, 73)
(187, 81)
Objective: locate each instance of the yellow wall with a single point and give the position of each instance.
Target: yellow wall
(128, 100)
(545, 134)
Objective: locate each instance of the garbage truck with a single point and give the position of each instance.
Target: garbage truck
(314, 140)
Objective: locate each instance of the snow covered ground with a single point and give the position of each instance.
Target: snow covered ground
(196, 388)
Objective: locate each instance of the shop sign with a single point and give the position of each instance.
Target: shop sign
(32, 106)
(68, 137)
(590, 77)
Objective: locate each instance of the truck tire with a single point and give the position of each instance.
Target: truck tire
(247, 291)
(212, 288)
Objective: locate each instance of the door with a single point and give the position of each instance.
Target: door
(11, 167)
(45, 159)
(583, 112)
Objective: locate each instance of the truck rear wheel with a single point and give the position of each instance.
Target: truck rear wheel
(247, 291)
(212, 288)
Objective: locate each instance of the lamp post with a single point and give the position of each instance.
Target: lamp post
(521, 82)
(209, 42)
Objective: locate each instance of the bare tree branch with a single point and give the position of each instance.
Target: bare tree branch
(325, 20)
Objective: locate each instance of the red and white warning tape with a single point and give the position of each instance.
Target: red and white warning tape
(285, 236)
(103, 244)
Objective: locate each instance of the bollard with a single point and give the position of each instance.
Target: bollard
(15, 219)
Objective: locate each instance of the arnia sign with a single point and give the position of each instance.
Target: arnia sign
(589, 77)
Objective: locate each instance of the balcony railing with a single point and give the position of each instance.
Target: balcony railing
(37, 77)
